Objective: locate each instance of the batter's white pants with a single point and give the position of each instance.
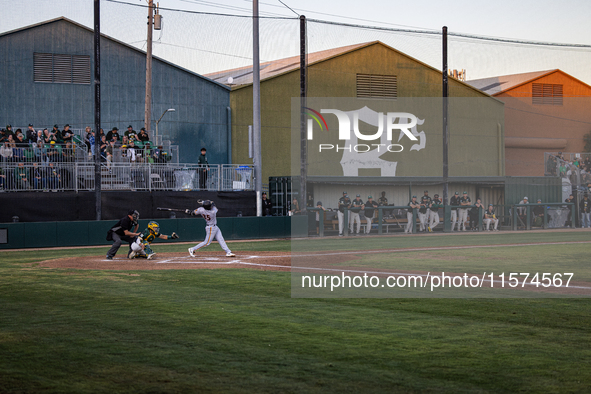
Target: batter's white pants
(354, 218)
(454, 219)
(212, 232)
(424, 220)
(408, 228)
(463, 218)
(487, 222)
(434, 219)
(341, 217)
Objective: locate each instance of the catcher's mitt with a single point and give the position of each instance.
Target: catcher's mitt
(174, 236)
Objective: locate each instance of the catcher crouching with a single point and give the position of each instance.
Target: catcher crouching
(140, 247)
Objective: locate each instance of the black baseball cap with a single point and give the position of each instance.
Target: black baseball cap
(319, 203)
(67, 125)
(437, 195)
(30, 124)
(457, 193)
(143, 128)
(55, 126)
(369, 197)
(344, 192)
(130, 127)
(426, 191)
(115, 128)
(359, 195)
(414, 196)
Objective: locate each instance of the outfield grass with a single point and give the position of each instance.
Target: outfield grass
(64, 330)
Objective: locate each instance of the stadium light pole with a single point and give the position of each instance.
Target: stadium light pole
(158, 121)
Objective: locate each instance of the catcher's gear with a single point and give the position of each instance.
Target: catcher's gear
(135, 215)
(174, 236)
(154, 227)
(207, 204)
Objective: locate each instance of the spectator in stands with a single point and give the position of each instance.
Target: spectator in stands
(266, 203)
(87, 134)
(55, 134)
(100, 134)
(39, 136)
(91, 143)
(131, 152)
(46, 136)
(585, 209)
(39, 152)
(103, 147)
(130, 133)
(51, 152)
(114, 134)
(31, 134)
(9, 130)
(124, 141)
(3, 182)
(6, 152)
(143, 135)
(551, 165)
(68, 153)
(110, 152)
(54, 177)
(562, 169)
(3, 136)
(38, 179)
(294, 208)
(538, 214)
(203, 169)
(21, 177)
(19, 151)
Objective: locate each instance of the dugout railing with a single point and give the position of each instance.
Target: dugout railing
(75, 176)
(511, 217)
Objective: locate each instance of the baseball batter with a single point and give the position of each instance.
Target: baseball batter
(141, 246)
(209, 212)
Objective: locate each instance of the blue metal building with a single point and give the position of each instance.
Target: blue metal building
(47, 78)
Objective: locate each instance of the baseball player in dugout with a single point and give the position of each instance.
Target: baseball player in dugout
(383, 201)
(413, 204)
(454, 202)
(209, 212)
(122, 231)
(370, 209)
(141, 245)
(464, 202)
(434, 212)
(490, 217)
(424, 211)
(344, 203)
(356, 206)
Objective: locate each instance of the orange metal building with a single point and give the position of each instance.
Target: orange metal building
(545, 111)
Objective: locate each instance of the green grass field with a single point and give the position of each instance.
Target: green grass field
(186, 331)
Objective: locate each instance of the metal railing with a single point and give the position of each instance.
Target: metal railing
(79, 176)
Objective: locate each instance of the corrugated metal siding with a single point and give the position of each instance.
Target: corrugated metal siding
(549, 189)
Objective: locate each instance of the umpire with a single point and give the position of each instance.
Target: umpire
(122, 232)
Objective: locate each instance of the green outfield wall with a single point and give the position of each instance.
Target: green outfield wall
(89, 233)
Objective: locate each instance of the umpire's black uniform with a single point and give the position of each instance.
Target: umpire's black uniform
(117, 233)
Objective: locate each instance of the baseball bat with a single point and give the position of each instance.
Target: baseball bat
(170, 209)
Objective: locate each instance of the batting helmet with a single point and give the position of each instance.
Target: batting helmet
(207, 204)
(154, 227)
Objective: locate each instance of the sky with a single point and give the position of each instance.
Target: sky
(208, 43)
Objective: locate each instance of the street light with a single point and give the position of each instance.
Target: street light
(158, 121)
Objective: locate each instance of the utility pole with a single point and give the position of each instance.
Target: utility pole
(303, 136)
(97, 108)
(445, 122)
(256, 108)
(148, 112)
